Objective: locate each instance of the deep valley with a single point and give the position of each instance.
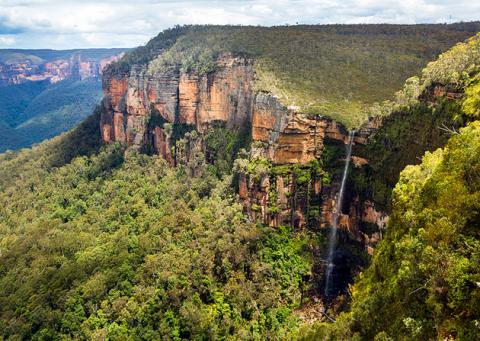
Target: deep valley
(314, 182)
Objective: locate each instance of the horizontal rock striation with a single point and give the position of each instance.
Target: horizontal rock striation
(138, 105)
(53, 71)
(143, 109)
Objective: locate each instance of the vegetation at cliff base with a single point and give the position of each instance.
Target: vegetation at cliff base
(424, 279)
(123, 246)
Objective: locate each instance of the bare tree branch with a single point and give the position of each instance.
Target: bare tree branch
(451, 131)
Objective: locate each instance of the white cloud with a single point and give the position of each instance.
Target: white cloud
(6, 41)
(89, 23)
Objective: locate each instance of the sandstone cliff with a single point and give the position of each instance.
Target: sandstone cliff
(143, 109)
(138, 105)
(26, 70)
(292, 174)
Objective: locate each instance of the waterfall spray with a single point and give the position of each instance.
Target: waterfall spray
(332, 239)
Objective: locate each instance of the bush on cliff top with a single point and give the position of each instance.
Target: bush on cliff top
(414, 126)
(335, 70)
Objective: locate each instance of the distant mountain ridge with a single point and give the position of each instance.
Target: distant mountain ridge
(45, 92)
(20, 66)
(223, 234)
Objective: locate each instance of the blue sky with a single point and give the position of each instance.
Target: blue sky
(114, 23)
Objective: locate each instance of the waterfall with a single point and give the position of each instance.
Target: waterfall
(332, 239)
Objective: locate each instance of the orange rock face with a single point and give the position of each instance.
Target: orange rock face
(371, 215)
(54, 71)
(162, 145)
(176, 97)
(223, 96)
(118, 131)
(106, 132)
(189, 99)
(436, 92)
(116, 91)
(359, 161)
(139, 105)
(262, 125)
(300, 142)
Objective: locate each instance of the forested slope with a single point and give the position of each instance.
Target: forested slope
(125, 247)
(423, 283)
(46, 92)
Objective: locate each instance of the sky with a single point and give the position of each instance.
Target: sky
(115, 23)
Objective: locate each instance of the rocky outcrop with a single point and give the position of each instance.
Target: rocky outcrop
(288, 137)
(368, 129)
(143, 109)
(55, 70)
(138, 105)
(436, 92)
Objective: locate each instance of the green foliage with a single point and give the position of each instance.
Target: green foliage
(456, 65)
(16, 98)
(456, 69)
(144, 54)
(302, 173)
(256, 167)
(84, 140)
(36, 111)
(223, 145)
(471, 102)
(414, 126)
(333, 70)
(424, 278)
(9, 137)
(402, 140)
(289, 260)
(123, 246)
(59, 108)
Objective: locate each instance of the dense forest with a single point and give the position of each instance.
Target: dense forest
(36, 111)
(102, 242)
(124, 246)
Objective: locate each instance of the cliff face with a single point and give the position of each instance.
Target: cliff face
(288, 137)
(27, 70)
(139, 105)
(141, 108)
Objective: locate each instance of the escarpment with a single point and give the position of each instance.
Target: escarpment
(152, 112)
(291, 175)
(168, 97)
(138, 106)
(55, 70)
